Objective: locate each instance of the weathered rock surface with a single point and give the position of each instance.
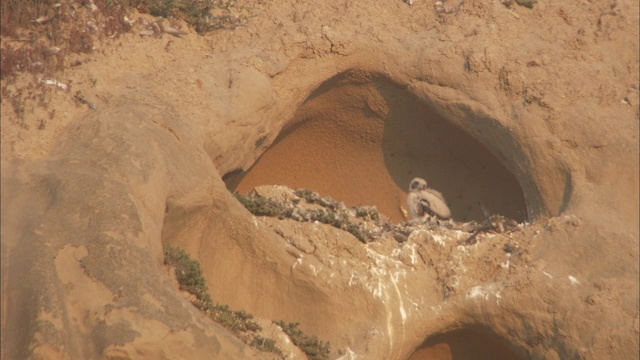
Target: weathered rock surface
(536, 117)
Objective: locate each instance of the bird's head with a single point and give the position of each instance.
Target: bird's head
(418, 184)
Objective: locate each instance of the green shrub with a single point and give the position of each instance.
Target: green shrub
(260, 206)
(236, 321)
(368, 212)
(314, 348)
(264, 344)
(188, 272)
(341, 222)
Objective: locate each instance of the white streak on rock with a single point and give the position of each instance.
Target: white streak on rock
(485, 291)
(55, 83)
(438, 239)
(352, 279)
(297, 262)
(414, 255)
(349, 355)
(315, 271)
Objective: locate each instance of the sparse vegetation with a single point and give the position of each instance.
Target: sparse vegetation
(311, 345)
(43, 37)
(260, 206)
(195, 13)
(340, 221)
(190, 279)
(368, 213)
(38, 35)
(265, 344)
(236, 321)
(329, 215)
(313, 198)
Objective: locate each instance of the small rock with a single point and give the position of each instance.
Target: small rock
(534, 62)
(52, 50)
(399, 237)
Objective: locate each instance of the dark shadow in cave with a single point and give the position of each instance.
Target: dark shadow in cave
(418, 142)
(467, 344)
(233, 178)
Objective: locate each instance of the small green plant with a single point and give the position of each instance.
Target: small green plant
(260, 206)
(369, 212)
(313, 198)
(341, 222)
(314, 348)
(265, 344)
(188, 272)
(236, 321)
(308, 195)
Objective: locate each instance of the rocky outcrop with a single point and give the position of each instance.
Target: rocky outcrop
(526, 116)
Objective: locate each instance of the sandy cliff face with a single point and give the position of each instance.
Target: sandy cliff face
(529, 113)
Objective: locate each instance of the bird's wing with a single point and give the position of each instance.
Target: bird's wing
(414, 206)
(433, 202)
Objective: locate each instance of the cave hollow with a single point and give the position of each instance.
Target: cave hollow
(360, 138)
(466, 344)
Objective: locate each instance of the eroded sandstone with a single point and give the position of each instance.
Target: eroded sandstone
(548, 99)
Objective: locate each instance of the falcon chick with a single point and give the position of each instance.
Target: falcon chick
(424, 202)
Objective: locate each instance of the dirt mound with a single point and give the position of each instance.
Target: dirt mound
(528, 113)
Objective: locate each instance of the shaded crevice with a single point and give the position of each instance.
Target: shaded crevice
(566, 194)
(233, 178)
